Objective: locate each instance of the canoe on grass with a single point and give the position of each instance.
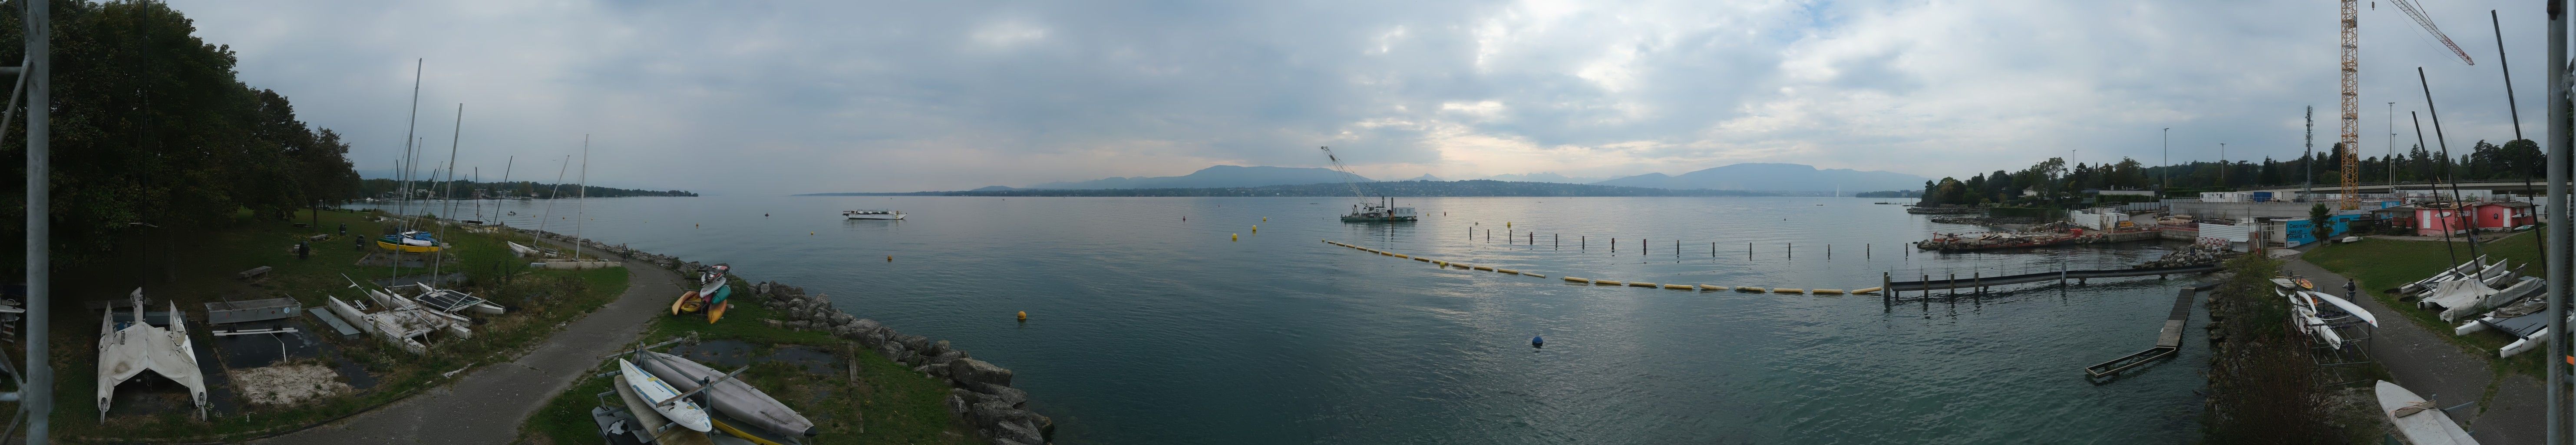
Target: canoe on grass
(731, 397)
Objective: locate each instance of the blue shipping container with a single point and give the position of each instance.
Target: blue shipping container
(2262, 196)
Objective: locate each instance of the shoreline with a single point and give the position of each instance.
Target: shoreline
(980, 394)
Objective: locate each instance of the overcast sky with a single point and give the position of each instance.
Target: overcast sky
(753, 98)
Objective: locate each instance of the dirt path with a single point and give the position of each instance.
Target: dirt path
(487, 405)
(2422, 361)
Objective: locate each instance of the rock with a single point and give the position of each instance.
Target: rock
(958, 405)
(843, 318)
(872, 340)
(1004, 394)
(916, 342)
(774, 324)
(936, 369)
(891, 350)
(868, 324)
(936, 348)
(967, 372)
(943, 358)
(908, 357)
(1022, 432)
(989, 413)
(1008, 441)
(925, 369)
(1046, 426)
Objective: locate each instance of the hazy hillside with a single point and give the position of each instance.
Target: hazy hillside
(1774, 177)
(1217, 176)
(1543, 177)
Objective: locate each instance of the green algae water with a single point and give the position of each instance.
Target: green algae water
(1145, 328)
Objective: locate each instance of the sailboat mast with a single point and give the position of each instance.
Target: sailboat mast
(584, 190)
(412, 125)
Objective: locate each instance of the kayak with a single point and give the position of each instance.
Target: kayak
(715, 311)
(731, 397)
(686, 303)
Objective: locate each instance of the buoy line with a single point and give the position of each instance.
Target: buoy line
(1444, 264)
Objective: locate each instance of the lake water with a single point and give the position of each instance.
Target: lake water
(1148, 329)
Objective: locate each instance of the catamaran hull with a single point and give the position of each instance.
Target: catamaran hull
(877, 217)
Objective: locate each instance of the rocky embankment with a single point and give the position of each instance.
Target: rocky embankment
(981, 393)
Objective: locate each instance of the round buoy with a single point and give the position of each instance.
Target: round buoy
(1537, 342)
(1256, 229)
(1024, 315)
(809, 233)
(1236, 237)
(1507, 224)
(1265, 219)
(889, 258)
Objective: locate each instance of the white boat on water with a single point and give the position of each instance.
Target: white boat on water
(872, 214)
(2422, 422)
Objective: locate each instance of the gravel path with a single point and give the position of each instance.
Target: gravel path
(2422, 361)
(487, 405)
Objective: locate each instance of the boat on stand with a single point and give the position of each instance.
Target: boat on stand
(872, 214)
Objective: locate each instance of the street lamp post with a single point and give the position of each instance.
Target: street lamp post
(2168, 173)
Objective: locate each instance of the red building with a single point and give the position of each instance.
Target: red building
(2502, 215)
(2437, 218)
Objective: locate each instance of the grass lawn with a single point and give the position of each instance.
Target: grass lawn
(884, 403)
(203, 269)
(2380, 265)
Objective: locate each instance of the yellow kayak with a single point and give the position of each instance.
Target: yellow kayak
(407, 248)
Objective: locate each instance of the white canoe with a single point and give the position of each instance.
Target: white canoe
(654, 390)
(2425, 427)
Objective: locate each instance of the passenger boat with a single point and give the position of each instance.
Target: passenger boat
(872, 214)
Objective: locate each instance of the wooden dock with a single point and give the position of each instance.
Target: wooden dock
(1978, 282)
(2168, 340)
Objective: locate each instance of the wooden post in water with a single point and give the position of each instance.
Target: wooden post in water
(1927, 288)
(1677, 248)
(1884, 279)
(1641, 247)
(1793, 251)
(1829, 251)
(1954, 288)
(1614, 244)
(1978, 278)
(1712, 249)
(1864, 251)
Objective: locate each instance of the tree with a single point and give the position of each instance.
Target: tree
(2321, 221)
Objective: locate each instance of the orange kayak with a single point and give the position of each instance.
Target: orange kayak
(716, 312)
(688, 302)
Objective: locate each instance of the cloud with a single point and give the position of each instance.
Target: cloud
(781, 97)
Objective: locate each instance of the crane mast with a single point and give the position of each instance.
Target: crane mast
(2351, 199)
(2427, 23)
(1346, 173)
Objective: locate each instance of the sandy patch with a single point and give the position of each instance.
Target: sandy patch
(288, 384)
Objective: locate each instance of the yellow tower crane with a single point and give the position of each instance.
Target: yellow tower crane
(2351, 152)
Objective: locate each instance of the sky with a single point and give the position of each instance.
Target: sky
(765, 98)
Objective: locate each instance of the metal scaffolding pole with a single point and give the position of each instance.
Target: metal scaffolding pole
(2557, 247)
(37, 390)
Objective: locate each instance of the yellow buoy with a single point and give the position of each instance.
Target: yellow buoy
(1607, 282)
(1864, 290)
(1237, 237)
(1577, 280)
(1024, 315)
(1507, 224)
(1533, 275)
(1711, 287)
(1680, 286)
(1785, 290)
(1750, 289)
(1829, 291)
(1642, 284)
(1256, 229)
(889, 258)
(1508, 271)
(1265, 219)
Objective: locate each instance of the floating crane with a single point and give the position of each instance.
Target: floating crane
(1381, 211)
(2351, 151)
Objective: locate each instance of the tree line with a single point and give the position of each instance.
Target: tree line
(387, 188)
(150, 125)
(2054, 180)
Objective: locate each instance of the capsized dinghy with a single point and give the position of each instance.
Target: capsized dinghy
(2420, 420)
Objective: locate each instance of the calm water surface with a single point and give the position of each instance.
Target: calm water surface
(1145, 328)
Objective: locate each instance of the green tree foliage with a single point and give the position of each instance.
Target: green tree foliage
(2321, 220)
(2053, 178)
(150, 125)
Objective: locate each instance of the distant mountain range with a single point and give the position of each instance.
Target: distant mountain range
(1543, 177)
(1774, 177)
(1749, 177)
(1217, 176)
